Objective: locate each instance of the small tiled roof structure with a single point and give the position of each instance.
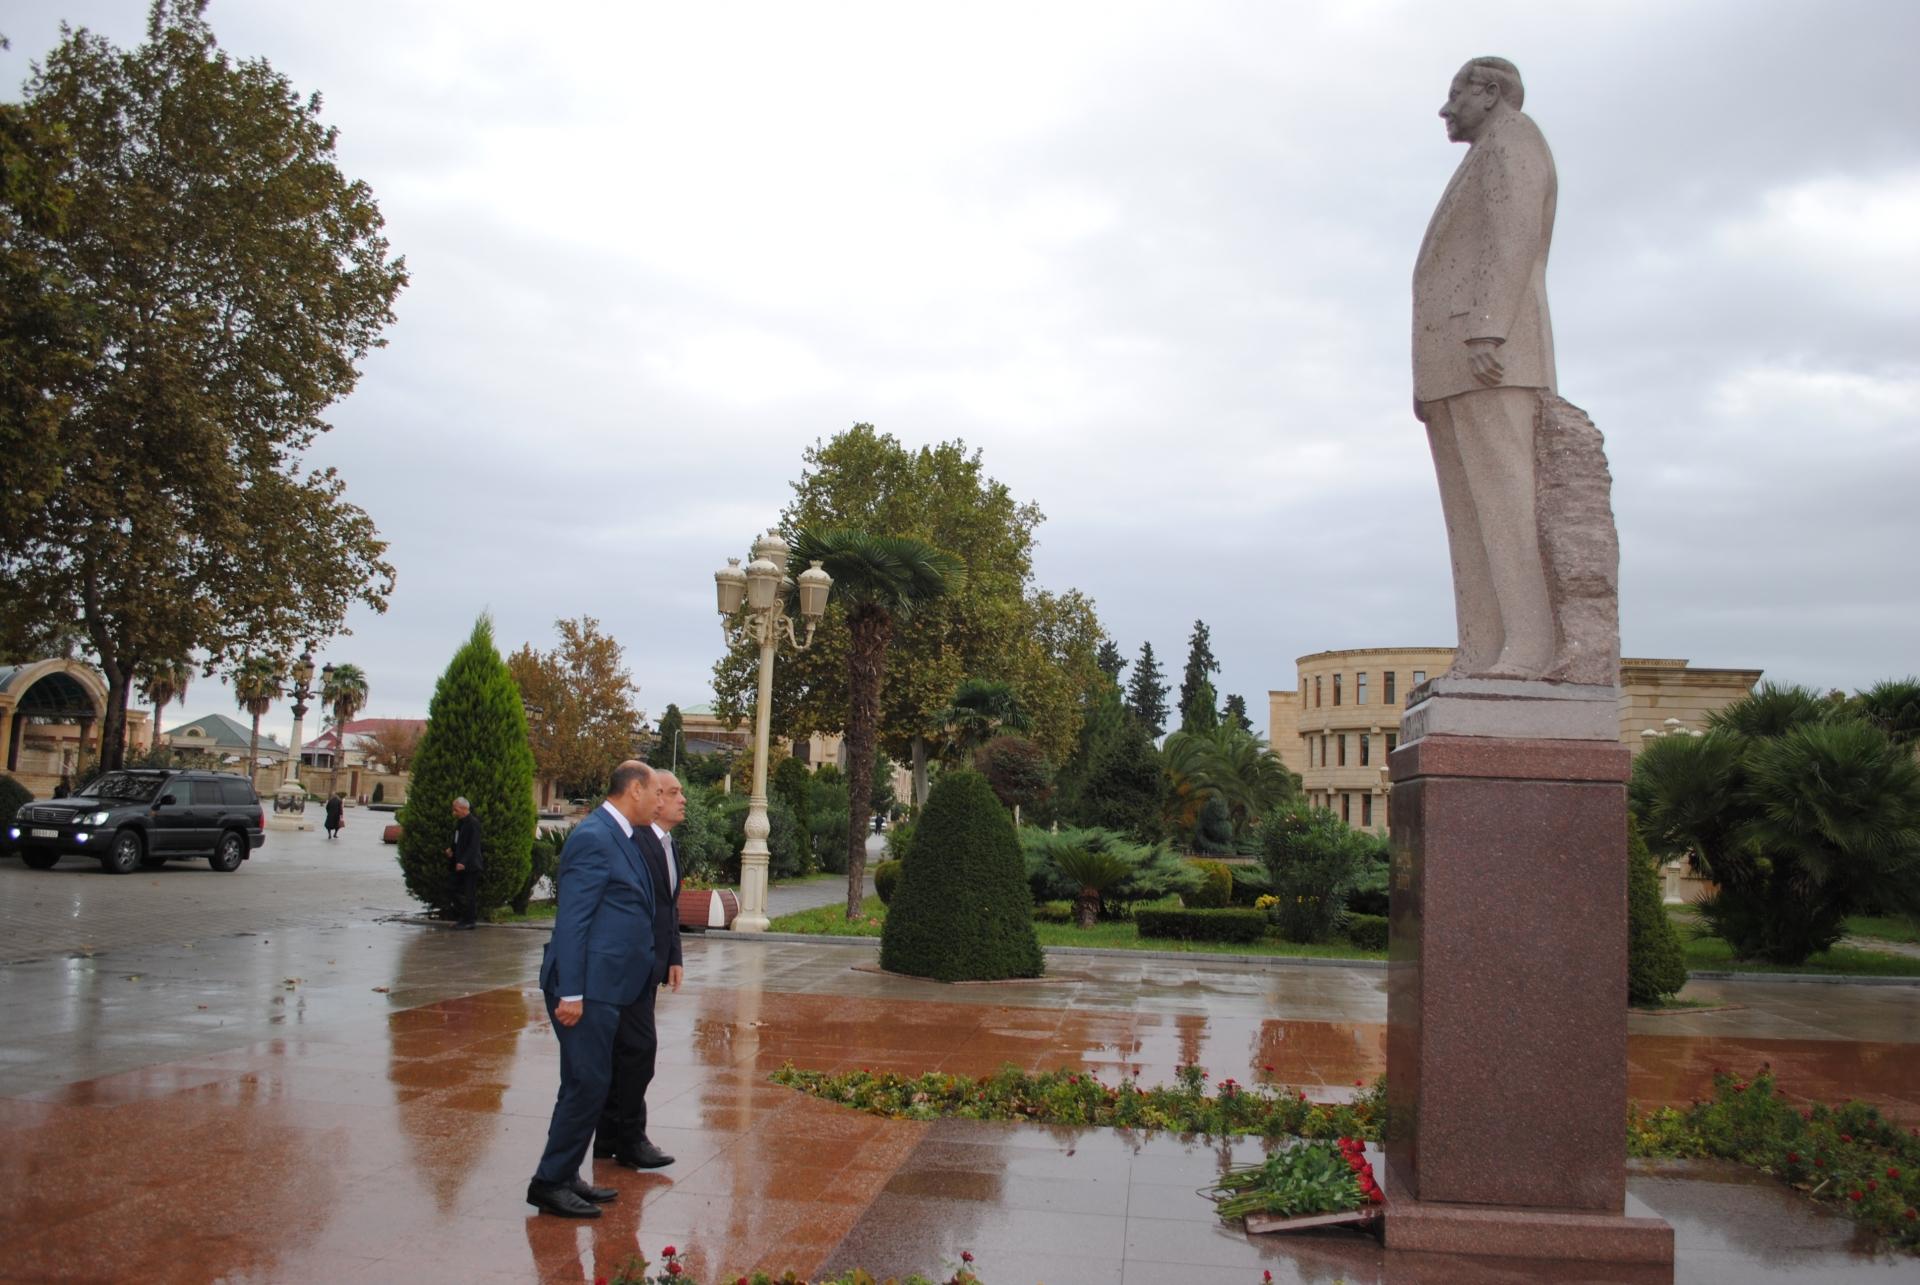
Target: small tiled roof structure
(221, 733)
(328, 742)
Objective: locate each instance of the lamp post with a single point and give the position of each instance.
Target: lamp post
(302, 675)
(752, 603)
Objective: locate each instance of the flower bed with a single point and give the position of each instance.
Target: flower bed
(1071, 1098)
(1846, 1156)
(672, 1270)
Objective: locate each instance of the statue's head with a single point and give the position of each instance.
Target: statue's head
(1482, 90)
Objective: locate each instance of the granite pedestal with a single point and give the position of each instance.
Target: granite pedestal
(1507, 1009)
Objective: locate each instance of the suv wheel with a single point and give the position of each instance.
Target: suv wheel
(125, 854)
(232, 851)
(40, 860)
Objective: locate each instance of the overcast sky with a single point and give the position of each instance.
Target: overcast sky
(1153, 260)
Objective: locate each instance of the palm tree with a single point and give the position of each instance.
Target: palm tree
(981, 708)
(1094, 861)
(879, 581)
(164, 682)
(1893, 706)
(343, 691)
(1227, 764)
(256, 685)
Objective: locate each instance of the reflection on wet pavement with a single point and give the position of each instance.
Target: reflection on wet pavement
(388, 1134)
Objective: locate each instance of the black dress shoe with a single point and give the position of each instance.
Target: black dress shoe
(587, 1191)
(559, 1198)
(644, 1156)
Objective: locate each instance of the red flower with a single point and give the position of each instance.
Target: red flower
(1376, 1197)
(1740, 1088)
(1818, 1163)
(1268, 1067)
(1872, 1185)
(1913, 1214)
(1846, 1137)
(1893, 1173)
(673, 1269)
(965, 1256)
(1793, 1157)
(1359, 1084)
(667, 1252)
(1268, 1276)
(1853, 1195)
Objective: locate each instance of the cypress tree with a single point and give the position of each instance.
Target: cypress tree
(962, 910)
(1656, 962)
(1146, 694)
(475, 746)
(793, 783)
(1200, 663)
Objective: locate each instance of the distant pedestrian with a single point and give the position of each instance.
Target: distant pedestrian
(467, 861)
(335, 806)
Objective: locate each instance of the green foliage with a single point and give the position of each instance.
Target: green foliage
(668, 742)
(1893, 706)
(1797, 810)
(379, 792)
(1017, 769)
(1216, 886)
(1121, 784)
(207, 283)
(475, 746)
(792, 784)
(1368, 932)
(1201, 713)
(343, 692)
(980, 708)
(964, 912)
(1307, 1178)
(1848, 1157)
(1110, 661)
(1656, 962)
(1146, 694)
(1311, 857)
(1196, 703)
(783, 858)
(543, 861)
(1152, 871)
(1230, 924)
(701, 841)
(1216, 770)
(1372, 875)
(1235, 713)
(1250, 883)
(886, 877)
(900, 840)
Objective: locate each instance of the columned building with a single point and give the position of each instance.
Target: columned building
(1337, 726)
(50, 715)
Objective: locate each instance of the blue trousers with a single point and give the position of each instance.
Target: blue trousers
(586, 1072)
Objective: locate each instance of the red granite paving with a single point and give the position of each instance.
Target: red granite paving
(401, 1152)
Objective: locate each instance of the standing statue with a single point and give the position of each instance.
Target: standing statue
(1523, 477)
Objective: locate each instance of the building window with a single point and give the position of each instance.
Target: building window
(1366, 810)
(1366, 748)
(1341, 746)
(1336, 689)
(1316, 691)
(1419, 677)
(1393, 741)
(1346, 808)
(1360, 688)
(1309, 751)
(1387, 679)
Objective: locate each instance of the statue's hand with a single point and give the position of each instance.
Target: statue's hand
(1485, 359)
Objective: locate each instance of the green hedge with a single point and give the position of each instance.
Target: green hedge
(1216, 888)
(1232, 924)
(1656, 961)
(886, 877)
(1368, 932)
(965, 915)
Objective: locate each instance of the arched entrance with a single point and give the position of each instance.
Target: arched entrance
(50, 712)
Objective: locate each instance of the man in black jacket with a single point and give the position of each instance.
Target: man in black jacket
(622, 1133)
(467, 861)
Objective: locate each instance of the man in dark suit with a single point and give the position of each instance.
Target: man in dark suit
(598, 962)
(468, 860)
(1482, 358)
(622, 1133)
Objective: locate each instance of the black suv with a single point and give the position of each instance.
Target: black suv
(145, 818)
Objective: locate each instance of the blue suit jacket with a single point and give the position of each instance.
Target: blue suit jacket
(603, 926)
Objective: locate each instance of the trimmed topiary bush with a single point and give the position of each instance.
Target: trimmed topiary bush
(1216, 887)
(379, 792)
(1368, 932)
(1656, 962)
(1232, 924)
(475, 745)
(886, 877)
(965, 913)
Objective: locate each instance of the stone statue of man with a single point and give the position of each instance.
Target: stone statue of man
(1483, 368)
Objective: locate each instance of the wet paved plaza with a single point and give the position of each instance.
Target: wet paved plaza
(344, 1099)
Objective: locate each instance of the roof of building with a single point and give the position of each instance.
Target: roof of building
(224, 733)
(330, 739)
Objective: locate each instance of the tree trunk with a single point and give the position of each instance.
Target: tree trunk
(869, 631)
(253, 752)
(153, 745)
(113, 724)
(919, 772)
(1089, 906)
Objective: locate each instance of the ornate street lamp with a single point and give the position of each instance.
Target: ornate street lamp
(302, 676)
(752, 604)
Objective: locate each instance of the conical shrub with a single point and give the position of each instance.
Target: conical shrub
(962, 911)
(1656, 961)
(474, 747)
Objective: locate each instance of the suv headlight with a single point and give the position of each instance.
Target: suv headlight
(95, 818)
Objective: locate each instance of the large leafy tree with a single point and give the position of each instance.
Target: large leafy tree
(997, 625)
(475, 745)
(879, 582)
(1147, 694)
(580, 706)
(224, 281)
(1799, 812)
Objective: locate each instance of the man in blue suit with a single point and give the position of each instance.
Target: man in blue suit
(599, 961)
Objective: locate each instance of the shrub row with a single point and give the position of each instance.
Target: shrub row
(1368, 932)
(1216, 887)
(1233, 924)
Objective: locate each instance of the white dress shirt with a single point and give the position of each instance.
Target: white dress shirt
(666, 846)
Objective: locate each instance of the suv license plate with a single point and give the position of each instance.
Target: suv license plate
(46, 834)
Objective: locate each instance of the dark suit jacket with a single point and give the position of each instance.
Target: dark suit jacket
(466, 843)
(666, 915)
(1482, 270)
(603, 926)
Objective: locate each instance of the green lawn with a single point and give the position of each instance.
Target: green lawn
(1713, 954)
(1886, 927)
(538, 912)
(831, 921)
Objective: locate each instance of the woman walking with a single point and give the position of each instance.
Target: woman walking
(335, 806)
